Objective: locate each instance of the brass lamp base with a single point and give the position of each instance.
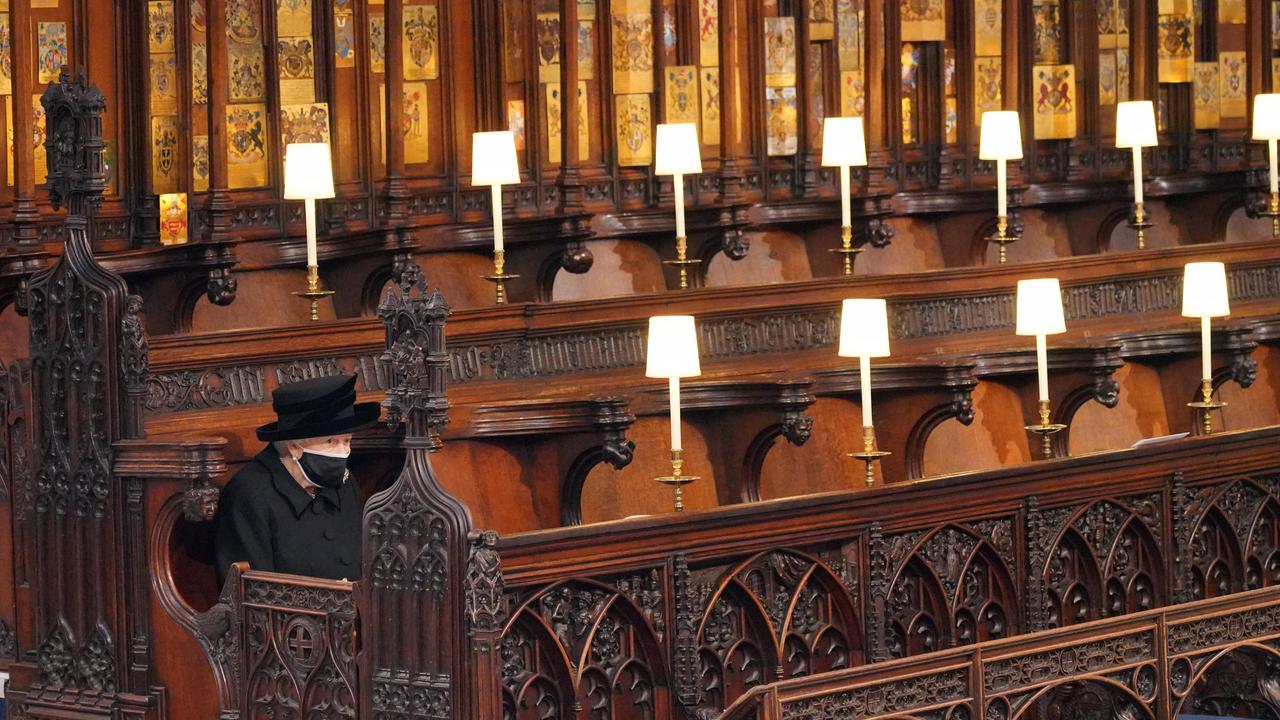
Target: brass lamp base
(1002, 237)
(847, 249)
(499, 277)
(313, 291)
(1046, 429)
(1206, 406)
(869, 454)
(681, 261)
(676, 480)
(1139, 223)
(1273, 212)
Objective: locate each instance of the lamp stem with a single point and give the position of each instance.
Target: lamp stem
(674, 386)
(1273, 169)
(846, 215)
(677, 189)
(864, 382)
(496, 210)
(1042, 367)
(1206, 367)
(1137, 174)
(1002, 188)
(309, 207)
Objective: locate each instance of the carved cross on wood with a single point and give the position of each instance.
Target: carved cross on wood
(301, 644)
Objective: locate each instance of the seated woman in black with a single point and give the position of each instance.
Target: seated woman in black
(293, 508)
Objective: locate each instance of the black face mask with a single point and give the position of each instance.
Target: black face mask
(324, 470)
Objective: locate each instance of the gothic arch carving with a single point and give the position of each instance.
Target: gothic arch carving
(950, 586)
(774, 615)
(1103, 559)
(536, 681)
(1086, 699)
(1262, 549)
(589, 640)
(1241, 681)
(1227, 537)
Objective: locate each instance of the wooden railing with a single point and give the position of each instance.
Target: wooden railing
(703, 607)
(1212, 657)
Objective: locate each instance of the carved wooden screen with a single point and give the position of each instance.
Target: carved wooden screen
(1101, 560)
(88, 363)
(953, 586)
(1212, 657)
(1229, 536)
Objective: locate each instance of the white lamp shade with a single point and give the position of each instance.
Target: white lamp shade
(1040, 307)
(677, 150)
(1204, 290)
(844, 142)
(673, 347)
(493, 158)
(1136, 124)
(308, 171)
(1001, 137)
(1266, 116)
(864, 328)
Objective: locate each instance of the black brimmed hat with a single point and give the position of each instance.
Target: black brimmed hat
(317, 408)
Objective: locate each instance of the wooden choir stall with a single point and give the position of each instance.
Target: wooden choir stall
(642, 479)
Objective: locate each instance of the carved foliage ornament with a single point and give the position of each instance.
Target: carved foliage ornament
(64, 663)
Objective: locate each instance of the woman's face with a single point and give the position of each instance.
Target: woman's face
(332, 444)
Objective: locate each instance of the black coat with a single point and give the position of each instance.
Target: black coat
(267, 519)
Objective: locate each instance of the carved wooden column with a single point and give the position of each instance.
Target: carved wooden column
(218, 201)
(1142, 54)
(395, 192)
(486, 15)
(416, 547)
(25, 213)
(807, 160)
(876, 116)
(571, 190)
(735, 139)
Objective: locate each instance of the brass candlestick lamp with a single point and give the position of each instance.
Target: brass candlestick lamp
(1204, 295)
(1001, 140)
(1266, 126)
(864, 334)
(673, 354)
(844, 144)
(308, 176)
(1136, 129)
(1039, 313)
(494, 163)
(678, 154)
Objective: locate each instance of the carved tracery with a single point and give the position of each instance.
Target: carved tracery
(950, 587)
(585, 643)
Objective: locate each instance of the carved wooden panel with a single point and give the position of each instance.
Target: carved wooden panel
(1097, 560)
(299, 647)
(1124, 668)
(594, 645)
